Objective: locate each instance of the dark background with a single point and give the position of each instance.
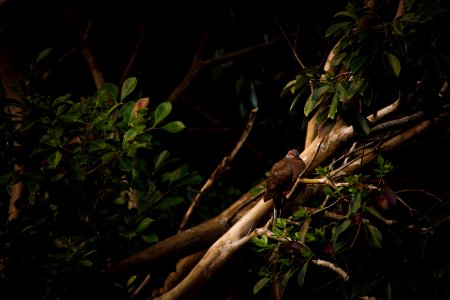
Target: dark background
(214, 110)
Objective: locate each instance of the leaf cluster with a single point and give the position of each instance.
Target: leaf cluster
(97, 181)
(374, 58)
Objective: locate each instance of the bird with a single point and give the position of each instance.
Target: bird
(282, 178)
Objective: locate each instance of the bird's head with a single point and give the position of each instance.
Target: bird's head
(293, 153)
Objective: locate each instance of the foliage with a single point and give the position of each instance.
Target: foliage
(374, 60)
(351, 228)
(98, 181)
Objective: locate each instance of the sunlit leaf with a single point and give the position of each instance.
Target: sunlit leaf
(333, 106)
(150, 238)
(316, 97)
(289, 87)
(43, 54)
(336, 27)
(174, 126)
(131, 280)
(129, 135)
(128, 87)
(162, 111)
(260, 284)
(144, 224)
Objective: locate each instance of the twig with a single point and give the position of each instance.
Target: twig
(141, 286)
(220, 169)
(198, 63)
(304, 171)
(81, 43)
(287, 40)
(421, 191)
(137, 47)
(331, 266)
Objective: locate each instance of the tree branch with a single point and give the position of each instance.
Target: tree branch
(220, 169)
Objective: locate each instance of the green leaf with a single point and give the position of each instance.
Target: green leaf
(159, 160)
(358, 62)
(54, 159)
(337, 231)
(174, 126)
(144, 224)
(169, 202)
(124, 164)
(131, 280)
(333, 106)
(361, 125)
(355, 204)
(150, 238)
(287, 278)
(86, 263)
(380, 160)
(394, 62)
(315, 98)
(111, 89)
(260, 284)
(373, 236)
(162, 111)
(128, 87)
(97, 145)
(301, 274)
(43, 54)
(372, 210)
(71, 117)
(289, 87)
(62, 100)
(336, 27)
(129, 135)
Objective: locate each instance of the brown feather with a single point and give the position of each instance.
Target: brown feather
(282, 177)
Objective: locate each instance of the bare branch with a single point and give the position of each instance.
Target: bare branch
(137, 47)
(220, 169)
(331, 266)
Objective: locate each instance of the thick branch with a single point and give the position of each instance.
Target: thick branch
(186, 242)
(238, 235)
(220, 252)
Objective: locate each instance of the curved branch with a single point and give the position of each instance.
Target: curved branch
(185, 242)
(220, 252)
(331, 266)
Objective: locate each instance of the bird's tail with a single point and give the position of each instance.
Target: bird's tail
(276, 213)
(277, 203)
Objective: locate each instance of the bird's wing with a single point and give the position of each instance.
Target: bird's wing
(280, 177)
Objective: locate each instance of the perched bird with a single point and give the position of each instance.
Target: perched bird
(281, 179)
